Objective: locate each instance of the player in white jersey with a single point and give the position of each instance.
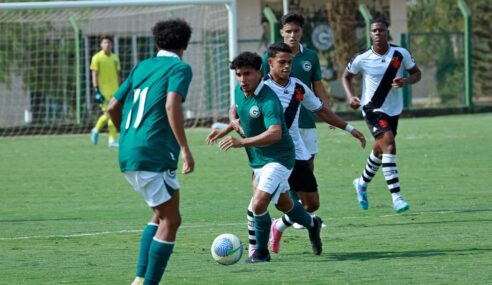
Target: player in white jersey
(292, 93)
(382, 67)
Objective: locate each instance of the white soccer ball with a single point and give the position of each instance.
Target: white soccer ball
(227, 249)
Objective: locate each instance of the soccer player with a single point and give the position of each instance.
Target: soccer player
(306, 67)
(147, 108)
(293, 94)
(382, 67)
(105, 67)
(270, 150)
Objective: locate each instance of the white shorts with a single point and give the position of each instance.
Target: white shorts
(273, 178)
(155, 187)
(310, 139)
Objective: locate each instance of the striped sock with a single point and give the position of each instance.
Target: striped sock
(282, 224)
(251, 232)
(390, 172)
(372, 166)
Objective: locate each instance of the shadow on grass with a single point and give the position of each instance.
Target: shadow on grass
(371, 255)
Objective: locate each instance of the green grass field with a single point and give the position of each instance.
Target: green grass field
(68, 216)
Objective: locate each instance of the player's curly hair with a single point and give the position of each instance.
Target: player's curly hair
(275, 48)
(380, 20)
(289, 18)
(247, 59)
(172, 34)
(106, 37)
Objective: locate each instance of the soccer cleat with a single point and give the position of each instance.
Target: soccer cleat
(113, 143)
(94, 136)
(400, 205)
(138, 281)
(361, 194)
(259, 256)
(275, 237)
(251, 251)
(315, 236)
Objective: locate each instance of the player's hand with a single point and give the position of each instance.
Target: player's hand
(399, 82)
(188, 161)
(99, 97)
(360, 136)
(237, 127)
(229, 142)
(214, 136)
(354, 103)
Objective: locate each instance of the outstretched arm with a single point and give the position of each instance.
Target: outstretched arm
(272, 135)
(333, 119)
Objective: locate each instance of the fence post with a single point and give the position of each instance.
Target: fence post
(78, 73)
(273, 24)
(364, 11)
(468, 53)
(406, 90)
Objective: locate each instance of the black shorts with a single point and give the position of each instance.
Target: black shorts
(302, 178)
(379, 123)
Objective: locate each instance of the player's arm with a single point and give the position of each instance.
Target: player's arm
(320, 92)
(174, 112)
(272, 135)
(115, 112)
(328, 116)
(352, 100)
(414, 76)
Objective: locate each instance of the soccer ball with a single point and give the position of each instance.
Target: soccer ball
(227, 249)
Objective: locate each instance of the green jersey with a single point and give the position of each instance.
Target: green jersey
(147, 142)
(257, 113)
(306, 67)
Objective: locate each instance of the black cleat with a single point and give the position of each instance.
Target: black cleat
(259, 256)
(314, 236)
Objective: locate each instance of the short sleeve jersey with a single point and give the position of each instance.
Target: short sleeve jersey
(373, 67)
(147, 142)
(292, 96)
(257, 113)
(306, 67)
(108, 68)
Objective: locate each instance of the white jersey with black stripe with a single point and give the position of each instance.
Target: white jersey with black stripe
(292, 105)
(373, 66)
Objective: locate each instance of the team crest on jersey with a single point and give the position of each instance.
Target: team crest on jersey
(307, 65)
(383, 123)
(299, 93)
(395, 62)
(254, 112)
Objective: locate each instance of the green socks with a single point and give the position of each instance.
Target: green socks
(159, 254)
(143, 256)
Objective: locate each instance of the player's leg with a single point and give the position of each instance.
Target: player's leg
(100, 123)
(160, 191)
(113, 134)
(303, 182)
(251, 223)
(387, 144)
(145, 242)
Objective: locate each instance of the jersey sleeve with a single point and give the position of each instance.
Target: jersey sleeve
(180, 80)
(265, 68)
(408, 60)
(272, 111)
(125, 87)
(316, 74)
(353, 65)
(310, 101)
(95, 63)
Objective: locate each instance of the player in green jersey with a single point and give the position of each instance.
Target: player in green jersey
(105, 69)
(147, 109)
(271, 153)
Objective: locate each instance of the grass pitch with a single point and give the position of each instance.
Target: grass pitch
(67, 215)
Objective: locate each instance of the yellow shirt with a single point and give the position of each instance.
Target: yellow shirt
(108, 68)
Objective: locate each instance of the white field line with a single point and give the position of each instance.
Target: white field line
(91, 234)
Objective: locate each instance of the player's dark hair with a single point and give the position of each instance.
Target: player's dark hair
(275, 48)
(289, 18)
(172, 34)
(380, 20)
(247, 59)
(106, 37)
